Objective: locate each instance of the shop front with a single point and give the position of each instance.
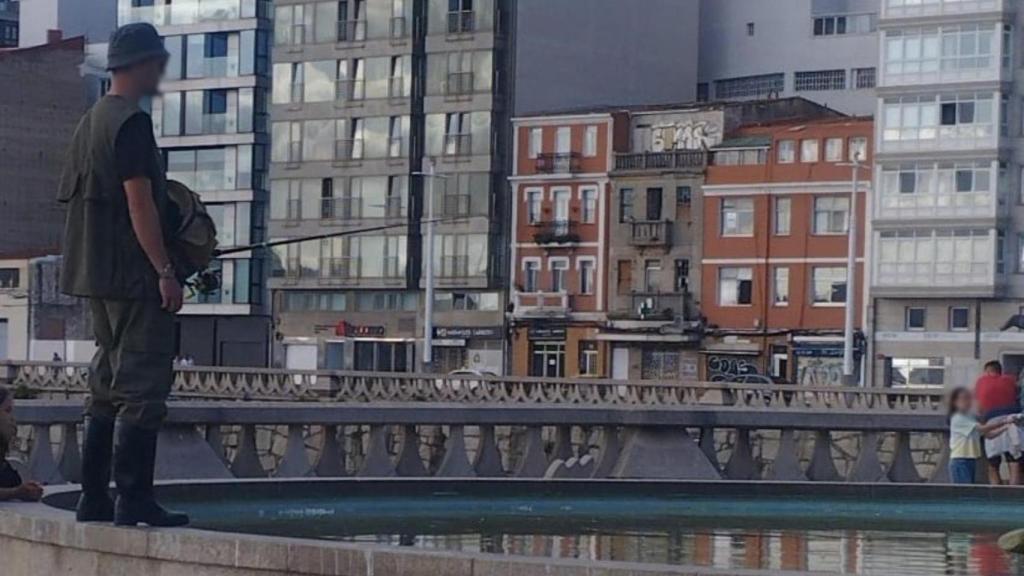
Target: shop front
(477, 348)
(350, 346)
(559, 351)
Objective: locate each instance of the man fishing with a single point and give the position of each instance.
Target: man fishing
(116, 256)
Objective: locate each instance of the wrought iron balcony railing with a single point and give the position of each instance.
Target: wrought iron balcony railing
(558, 163)
(651, 233)
(671, 160)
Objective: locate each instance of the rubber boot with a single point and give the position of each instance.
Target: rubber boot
(134, 461)
(95, 504)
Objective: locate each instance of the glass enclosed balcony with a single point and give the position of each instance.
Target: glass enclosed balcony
(948, 53)
(940, 191)
(956, 122)
(932, 8)
(957, 260)
(166, 13)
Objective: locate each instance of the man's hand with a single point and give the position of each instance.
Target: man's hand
(30, 491)
(171, 296)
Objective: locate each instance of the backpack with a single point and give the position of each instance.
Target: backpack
(193, 241)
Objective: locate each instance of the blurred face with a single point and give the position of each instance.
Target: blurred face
(146, 75)
(964, 402)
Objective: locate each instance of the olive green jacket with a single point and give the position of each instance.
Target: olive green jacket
(102, 256)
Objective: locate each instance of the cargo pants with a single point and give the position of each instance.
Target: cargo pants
(132, 370)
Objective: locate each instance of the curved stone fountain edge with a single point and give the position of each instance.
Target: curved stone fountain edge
(40, 540)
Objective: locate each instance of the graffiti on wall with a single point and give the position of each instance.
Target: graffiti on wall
(693, 135)
(819, 371)
(729, 368)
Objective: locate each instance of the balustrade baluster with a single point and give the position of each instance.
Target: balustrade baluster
(378, 460)
(741, 464)
(70, 460)
(487, 461)
(455, 463)
(331, 461)
(409, 461)
(246, 463)
(295, 462)
(822, 467)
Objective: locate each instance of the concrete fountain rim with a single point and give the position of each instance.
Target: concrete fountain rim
(40, 527)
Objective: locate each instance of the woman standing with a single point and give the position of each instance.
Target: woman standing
(11, 485)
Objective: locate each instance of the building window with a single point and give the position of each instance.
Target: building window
(818, 80)
(10, 278)
(858, 148)
(787, 151)
(844, 24)
(783, 209)
(959, 319)
(834, 150)
(625, 205)
(588, 358)
(917, 372)
(737, 218)
(831, 215)
(586, 276)
(589, 201)
(780, 286)
(590, 141)
(829, 285)
(735, 286)
(531, 271)
(533, 206)
(659, 364)
(864, 78)
(1020, 253)
(750, 28)
(808, 151)
(548, 359)
(914, 319)
(683, 195)
(457, 134)
(749, 86)
(536, 142)
(682, 275)
(558, 272)
(652, 276)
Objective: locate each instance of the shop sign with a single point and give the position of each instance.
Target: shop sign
(824, 349)
(468, 332)
(546, 333)
(354, 331)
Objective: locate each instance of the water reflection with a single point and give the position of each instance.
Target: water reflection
(841, 552)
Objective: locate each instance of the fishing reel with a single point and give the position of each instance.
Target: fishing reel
(205, 282)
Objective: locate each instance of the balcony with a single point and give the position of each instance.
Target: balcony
(459, 83)
(399, 27)
(343, 268)
(348, 149)
(922, 263)
(558, 163)
(541, 304)
(455, 205)
(556, 232)
(458, 145)
(454, 266)
(349, 90)
(351, 30)
(671, 160)
(650, 233)
(964, 137)
(665, 306)
(931, 8)
(192, 11)
(462, 22)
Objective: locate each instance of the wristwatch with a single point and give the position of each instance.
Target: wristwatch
(167, 272)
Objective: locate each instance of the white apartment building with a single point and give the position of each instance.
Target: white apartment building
(947, 222)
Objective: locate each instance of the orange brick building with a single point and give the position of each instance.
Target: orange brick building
(558, 279)
(776, 217)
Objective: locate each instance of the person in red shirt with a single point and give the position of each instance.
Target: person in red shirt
(997, 395)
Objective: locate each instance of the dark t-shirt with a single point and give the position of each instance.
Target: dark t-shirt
(136, 150)
(9, 477)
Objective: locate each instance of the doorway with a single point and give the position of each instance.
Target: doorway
(548, 359)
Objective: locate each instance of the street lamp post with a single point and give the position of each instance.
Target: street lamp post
(856, 166)
(428, 309)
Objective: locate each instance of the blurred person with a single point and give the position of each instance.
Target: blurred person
(965, 433)
(997, 395)
(12, 487)
(116, 256)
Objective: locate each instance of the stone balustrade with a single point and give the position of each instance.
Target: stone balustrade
(57, 379)
(754, 436)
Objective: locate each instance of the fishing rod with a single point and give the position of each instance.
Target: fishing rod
(208, 281)
(298, 239)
